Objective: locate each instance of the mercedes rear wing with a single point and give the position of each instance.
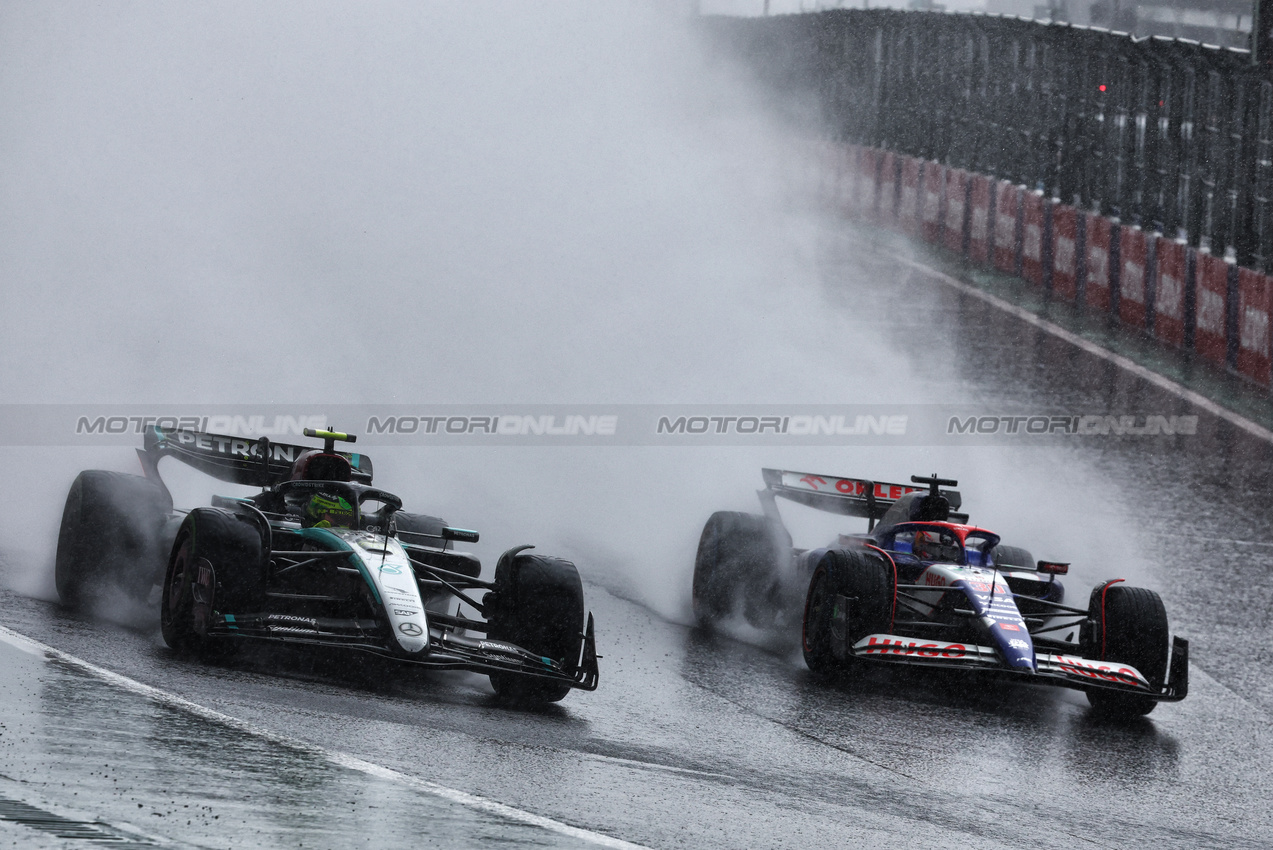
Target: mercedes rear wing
(845, 496)
(238, 460)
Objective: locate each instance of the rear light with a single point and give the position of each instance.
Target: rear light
(1055, 568)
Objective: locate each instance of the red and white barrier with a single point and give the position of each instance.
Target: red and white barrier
(946, 205)
(908, 197)
(980, 248)
(1211, 308)
(1032, 220)
(1255, 305)
(1065, 233)
(1099, 242)
(886, 189)
(866, 185)
(832, 171)
(1133, 254)
(817, 165)
(956, 191)
(846, 178)
(1169, 294)
(931, 223)
(1007, 201)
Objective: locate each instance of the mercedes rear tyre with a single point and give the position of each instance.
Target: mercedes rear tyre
(421, 529)
(186, 604)
(111, 536)
(739, 561)
(537, 604)
(852, 594)
(1127, 625)
(1013, 557)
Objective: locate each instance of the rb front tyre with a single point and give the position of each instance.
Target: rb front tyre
(862, 581)
(1128, 625)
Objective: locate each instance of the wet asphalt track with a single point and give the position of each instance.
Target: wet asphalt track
(700, 741)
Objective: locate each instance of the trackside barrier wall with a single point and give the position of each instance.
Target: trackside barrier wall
(1169, 294)
(1211, 308)
(930, 208)
(830, 171)
(1032, 213)
(1186, 299)
(886, 188)
(1099, 256)
(862, 174)
(908, 196)
(1065, 252)
(956, 205)
(1254, 308)
(868, 173)
(1142, 136)
(1168, 134)
(1133, 255)
(1007, 229)
(845, 194)
(980, 196)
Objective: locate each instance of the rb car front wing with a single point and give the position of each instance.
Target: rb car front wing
(1065, 670)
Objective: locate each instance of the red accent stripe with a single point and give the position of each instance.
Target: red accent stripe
(892, 616)
(1105, 590)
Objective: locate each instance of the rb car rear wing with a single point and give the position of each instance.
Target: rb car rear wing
(238, 460)
(845, 496)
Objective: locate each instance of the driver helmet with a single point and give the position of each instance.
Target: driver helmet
(931, 546)
(328, 510)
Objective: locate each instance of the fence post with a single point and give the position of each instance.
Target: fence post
(1263, 179)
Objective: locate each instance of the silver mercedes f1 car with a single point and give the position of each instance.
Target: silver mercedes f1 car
(319, 556)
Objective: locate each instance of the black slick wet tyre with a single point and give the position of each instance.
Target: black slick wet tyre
(538, 605)
(738, 562)
(177, 602)
(1127, 625)
(111, 536)
(430, 527)
(866, 584)
(1009, 557)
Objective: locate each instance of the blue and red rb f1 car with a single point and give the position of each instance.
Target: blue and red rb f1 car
(922, 587)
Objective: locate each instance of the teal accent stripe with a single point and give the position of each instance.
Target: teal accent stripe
(332, 542)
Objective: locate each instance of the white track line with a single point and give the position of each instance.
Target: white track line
(1090, 347)
(463, 798)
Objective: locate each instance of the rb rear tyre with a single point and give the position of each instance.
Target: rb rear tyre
(738, 559)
